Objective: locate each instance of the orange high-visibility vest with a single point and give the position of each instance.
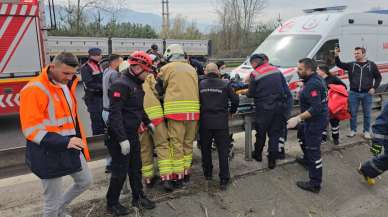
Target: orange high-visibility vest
(44, 108)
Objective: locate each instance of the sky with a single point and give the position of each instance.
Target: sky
(203, 11)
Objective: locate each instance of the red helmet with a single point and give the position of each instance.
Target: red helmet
(141, 58)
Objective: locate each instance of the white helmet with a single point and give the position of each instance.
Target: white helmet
(174, 51)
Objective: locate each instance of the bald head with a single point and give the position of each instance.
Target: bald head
(212, 68)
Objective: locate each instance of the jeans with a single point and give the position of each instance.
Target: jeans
(55, 201)
(366, 101)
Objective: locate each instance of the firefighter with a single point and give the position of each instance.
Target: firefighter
(314, 113)
(126, 112)
(54, 133)
(215, 95)
(156, 136)
(91, 73)
(379, 163)
(178, 82)
(270, 91)
(324, 72)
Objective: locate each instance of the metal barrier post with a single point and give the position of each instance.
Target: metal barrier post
(248, 137)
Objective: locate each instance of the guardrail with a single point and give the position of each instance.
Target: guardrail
(228, 61)
(12, 160)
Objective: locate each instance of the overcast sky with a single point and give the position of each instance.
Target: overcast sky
(202, 11)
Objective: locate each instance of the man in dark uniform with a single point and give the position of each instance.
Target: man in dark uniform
(126, 113)
(271, 95)
(314, 113)
(379, 163)
(215, 95)
(91, 73)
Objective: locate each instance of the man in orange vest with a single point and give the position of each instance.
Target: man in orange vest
(56, 143)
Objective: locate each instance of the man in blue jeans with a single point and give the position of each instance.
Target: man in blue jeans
(364, 79)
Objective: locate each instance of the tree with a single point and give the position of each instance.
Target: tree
(182, 29)
(237, 21)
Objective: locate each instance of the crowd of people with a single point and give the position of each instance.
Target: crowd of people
(151, 107)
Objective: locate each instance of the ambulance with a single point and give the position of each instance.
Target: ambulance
(317, 34)
(23, 53)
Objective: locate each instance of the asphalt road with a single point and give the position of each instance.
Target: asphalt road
(12, 137)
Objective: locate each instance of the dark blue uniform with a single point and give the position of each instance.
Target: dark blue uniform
(378, 164)
(215, 95)
(92, 78)
(313, 98)
(272, 98)
(126, 113)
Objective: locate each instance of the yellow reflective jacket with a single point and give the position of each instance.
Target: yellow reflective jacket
(152, 105)
(181, 96)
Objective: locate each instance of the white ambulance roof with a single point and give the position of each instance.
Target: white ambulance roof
(326, 23)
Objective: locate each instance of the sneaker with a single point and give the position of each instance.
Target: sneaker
(336, 141)
(323, 142)
(118, 210)
(352, 134)
(143, 202)
(367, 135)
(307, 186)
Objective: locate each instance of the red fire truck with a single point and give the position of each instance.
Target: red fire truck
(22, 48)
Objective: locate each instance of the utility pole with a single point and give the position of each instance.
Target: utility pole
(166, 18)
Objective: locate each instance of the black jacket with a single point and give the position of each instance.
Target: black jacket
(362, 77)
(126, 106)
(92, 82)
(334, 80)
(197, 66)
(215, 95)
(270, 91)
(313, 97)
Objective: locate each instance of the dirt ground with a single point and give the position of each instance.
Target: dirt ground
(254, 191)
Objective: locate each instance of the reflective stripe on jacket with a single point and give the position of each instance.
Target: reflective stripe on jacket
(152, 105)
(44, 109)
(181, 97)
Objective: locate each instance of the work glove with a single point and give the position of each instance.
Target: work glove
(125, 147)
(376, 149)
(151, 128)
(293, 122)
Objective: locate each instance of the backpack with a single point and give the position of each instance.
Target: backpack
(338, 102)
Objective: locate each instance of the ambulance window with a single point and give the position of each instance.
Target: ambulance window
(326, 53)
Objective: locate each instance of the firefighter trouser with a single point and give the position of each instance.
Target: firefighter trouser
(222, 140)
(182, 135)
(268, 122)
(377, 165)
(160, 141)
(312, 148)
(334, 123)
(123, 165)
